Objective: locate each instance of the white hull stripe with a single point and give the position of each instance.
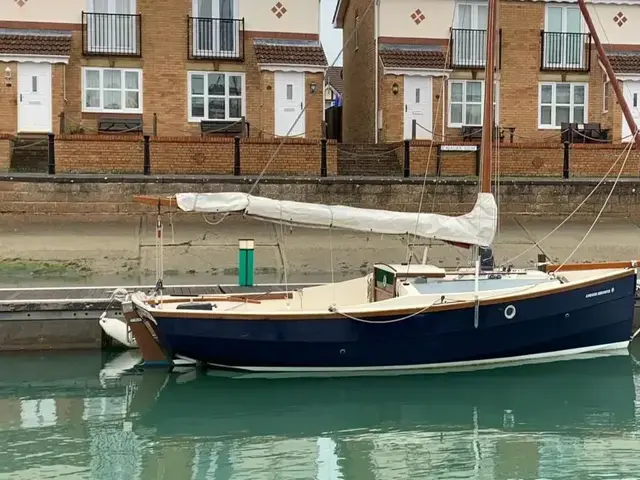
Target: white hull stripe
(547, 356)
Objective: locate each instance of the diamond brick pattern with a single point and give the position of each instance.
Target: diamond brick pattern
(620, 19)
(21, 3)
(418, 17)
(278, 10)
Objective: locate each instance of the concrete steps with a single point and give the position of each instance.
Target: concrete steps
(379, 160)
(30, 153)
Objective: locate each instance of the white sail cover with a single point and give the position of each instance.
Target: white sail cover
(477, 227)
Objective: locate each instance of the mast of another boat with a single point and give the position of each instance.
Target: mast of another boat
(487, 131)
(610, 73)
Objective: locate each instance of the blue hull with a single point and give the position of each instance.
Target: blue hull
(580, 318)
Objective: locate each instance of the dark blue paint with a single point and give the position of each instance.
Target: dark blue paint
(561, 321)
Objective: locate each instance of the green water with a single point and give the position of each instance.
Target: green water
(82, 415)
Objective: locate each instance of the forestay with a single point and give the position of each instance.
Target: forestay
(477, 227)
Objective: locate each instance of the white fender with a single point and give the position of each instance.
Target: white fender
(118, 330)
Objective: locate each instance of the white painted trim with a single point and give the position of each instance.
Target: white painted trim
(34, 58)
(547, 356)
(420, 72)
(242, 75)
(628, 78)
(134, 111)
(282, 67)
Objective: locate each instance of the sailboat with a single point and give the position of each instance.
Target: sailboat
(402, 316)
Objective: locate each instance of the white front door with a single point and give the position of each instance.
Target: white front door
(417, 106)
(289, 102)
(632, 95)
(34, 97)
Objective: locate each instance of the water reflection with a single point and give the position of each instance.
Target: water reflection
(87, 416)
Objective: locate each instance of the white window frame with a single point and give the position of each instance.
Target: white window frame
(606, 83)
(496, 103)
(101, 108)
(90, 5)
(243, 77)
(553, 103)
(564, 17)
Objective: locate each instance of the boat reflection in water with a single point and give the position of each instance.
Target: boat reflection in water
(530, 421)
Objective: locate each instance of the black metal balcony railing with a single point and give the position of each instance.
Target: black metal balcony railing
(211, 38)
(468, 48)
(561, 51)
(111, 34)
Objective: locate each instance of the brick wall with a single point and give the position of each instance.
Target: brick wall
(6, 144)
(358, 121)
(190, 155)
(9, 99)
(99, 154)
(528, 160)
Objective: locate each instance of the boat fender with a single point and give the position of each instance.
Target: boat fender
(510, 312)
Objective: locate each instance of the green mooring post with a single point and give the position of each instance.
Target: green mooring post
(245, 262)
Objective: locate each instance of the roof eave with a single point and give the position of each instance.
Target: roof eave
(339, 12)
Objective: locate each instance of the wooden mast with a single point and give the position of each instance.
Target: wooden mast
(610, 73)
(487, 121)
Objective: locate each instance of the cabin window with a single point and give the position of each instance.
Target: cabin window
(562, 103)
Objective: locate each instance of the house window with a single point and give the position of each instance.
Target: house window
(112, 90)
(563, 42)
(465, 105)
(469, 34)
(216, 96)
(216, 29)
(562, 103)
(112, 26)
(606, 94)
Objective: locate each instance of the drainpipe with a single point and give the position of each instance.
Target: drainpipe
(376, 31)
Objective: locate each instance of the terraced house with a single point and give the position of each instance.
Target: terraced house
(423, 60)
(168, 67)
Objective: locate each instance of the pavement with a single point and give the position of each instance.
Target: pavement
(51, 250)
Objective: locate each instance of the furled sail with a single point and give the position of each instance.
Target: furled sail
(477, 227)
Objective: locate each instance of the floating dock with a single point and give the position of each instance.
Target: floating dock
(45, 318)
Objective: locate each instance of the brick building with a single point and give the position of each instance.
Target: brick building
(75, 65)
(424, 60)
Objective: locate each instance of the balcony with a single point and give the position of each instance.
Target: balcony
(112, 34)
(216, 38)
(468, 48)
(567, 52)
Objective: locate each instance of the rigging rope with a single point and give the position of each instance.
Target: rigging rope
(536, 244)
(615, 183)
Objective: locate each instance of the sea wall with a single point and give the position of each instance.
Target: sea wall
(112, 195)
